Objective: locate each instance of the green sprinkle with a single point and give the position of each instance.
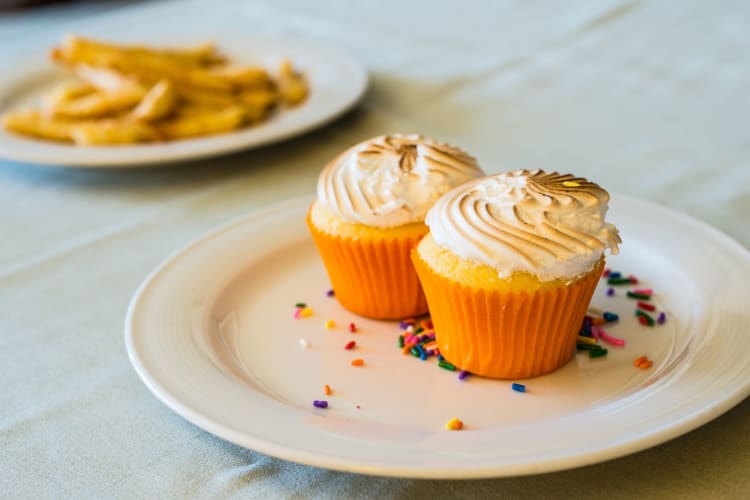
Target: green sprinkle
(300, 304)
(588, 347)
(418, 330)
(597, 353)
(648, 317)
(639, 296)
(447, 366)
(401, 341)
(619, 281)
(414, 352)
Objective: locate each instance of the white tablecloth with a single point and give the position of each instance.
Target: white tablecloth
(648, 98)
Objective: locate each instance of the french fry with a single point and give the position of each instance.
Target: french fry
(292, 86)
(37, 124)
(159, 102)
(97, 104)
(193, 97)
(111, 132)
(201, 55)
(243, 77)
(257, 103)
(203, 122)
(68, 91)
(106, 80)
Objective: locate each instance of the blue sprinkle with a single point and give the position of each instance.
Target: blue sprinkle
(610, 292)
(440, 357)
(518, 387)
(320, 404)
(615, 275)
(609, 317)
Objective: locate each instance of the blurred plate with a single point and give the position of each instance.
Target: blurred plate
(211, 333)
(337, 83)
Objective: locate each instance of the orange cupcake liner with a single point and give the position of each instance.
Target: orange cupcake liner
(506, 335)
(372, 277)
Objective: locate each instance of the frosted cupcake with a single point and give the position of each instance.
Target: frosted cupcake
(372, 201)
(509, 268)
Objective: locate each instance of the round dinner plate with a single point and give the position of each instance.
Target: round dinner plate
(337, 82)
(212, 333)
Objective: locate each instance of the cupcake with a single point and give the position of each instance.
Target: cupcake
(369, 214)
(509, 267)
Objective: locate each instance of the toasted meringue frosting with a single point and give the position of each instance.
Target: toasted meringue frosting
(547, 224)
(392, 180)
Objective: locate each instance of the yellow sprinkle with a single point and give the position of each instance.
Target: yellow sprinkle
(454, 424)
(306, 312)
(586, 340)
(329, 324)
(571, 184)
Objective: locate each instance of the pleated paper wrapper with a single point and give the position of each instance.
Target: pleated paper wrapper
(506, 335)
(374, 277)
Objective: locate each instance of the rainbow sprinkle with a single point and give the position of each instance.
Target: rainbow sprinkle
(329, 325)
(518, 387)
(358, 362)
(350, 345)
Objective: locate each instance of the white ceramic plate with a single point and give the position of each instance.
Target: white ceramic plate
(211, 334)
(337, 83)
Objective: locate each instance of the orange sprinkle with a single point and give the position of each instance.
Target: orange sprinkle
(454, 424)
(407, 348)
(358, 362)
(429, 345)
(327, 389)
(640, 360)
(646, 365)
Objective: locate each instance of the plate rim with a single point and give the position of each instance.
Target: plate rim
(562, 461)
(50, 154)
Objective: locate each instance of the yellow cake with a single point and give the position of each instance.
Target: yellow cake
(369, 215)
(509, 267)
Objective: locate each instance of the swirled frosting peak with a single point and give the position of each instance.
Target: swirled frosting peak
(392, 180)
(548, 224)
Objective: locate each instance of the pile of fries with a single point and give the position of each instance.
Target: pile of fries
(135, 94)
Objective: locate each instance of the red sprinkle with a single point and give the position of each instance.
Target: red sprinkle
(633, 279)
(645, 306)
(350, 344)
(606, 272)
(352, 327)
(643, 320)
